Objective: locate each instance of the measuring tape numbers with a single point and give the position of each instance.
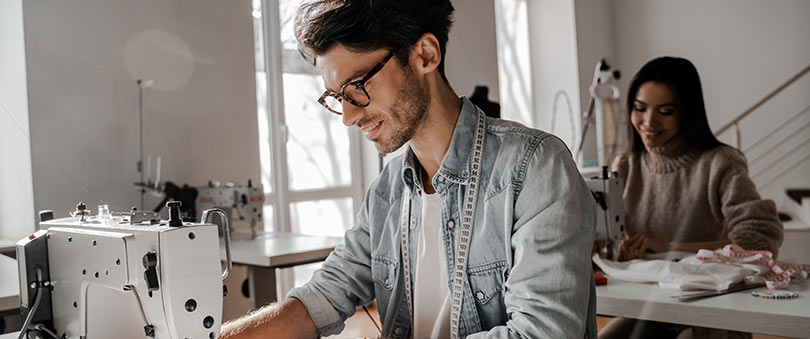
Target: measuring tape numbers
(464, 234)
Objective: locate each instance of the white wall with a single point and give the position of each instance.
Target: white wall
(553, 49)
(537, 59)
(83, 61)
(539, 64)
(594, 41)
(743, 49)
(471, 49)
(16, 190)
(514, 64)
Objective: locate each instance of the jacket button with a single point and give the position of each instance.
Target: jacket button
(441, 178)
(413, 223)
(479, 295)
(451, 224)
(398, 331)
(387, 283)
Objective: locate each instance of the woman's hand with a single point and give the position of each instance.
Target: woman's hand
(635, 246)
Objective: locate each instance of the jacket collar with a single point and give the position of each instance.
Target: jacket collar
(455, 165)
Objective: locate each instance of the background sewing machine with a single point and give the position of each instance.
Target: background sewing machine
(122, 275)
(246, 200)
(607, 189)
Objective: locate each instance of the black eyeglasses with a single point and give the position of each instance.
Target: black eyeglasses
(354, 92)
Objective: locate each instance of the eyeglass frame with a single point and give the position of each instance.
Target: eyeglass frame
(359, 84)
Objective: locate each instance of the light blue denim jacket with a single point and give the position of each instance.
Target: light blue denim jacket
(529, 267)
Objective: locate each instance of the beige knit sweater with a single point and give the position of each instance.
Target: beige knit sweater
(677, 194)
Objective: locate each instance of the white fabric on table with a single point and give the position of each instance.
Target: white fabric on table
(689, 273)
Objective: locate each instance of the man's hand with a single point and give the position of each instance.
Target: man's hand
(288, 319)
(636, 246)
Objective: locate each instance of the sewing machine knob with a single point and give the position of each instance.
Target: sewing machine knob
(150, 275)
(81, 211)
(151, 280)
(150, 260)
(174, 213)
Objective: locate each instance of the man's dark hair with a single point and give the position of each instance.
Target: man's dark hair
(682, 78)
(369, 25)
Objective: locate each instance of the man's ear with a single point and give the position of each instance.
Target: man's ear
(426, 54)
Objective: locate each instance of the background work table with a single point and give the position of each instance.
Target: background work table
(737, 311)
(271, 251)
(9, 285)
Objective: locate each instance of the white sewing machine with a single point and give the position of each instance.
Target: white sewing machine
(607, 189)
(122, 275)
(247, 200)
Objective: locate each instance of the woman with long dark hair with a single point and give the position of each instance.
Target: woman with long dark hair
(684, 189)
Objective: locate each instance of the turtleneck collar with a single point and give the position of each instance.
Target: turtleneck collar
(671, 156)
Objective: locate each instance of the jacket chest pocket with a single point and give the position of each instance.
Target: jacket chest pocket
(384, 272)
(487, 283)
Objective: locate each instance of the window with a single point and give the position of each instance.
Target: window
(311, 164)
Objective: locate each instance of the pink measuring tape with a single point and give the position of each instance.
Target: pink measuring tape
(779, 277)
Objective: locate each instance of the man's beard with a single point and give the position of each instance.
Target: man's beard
(407, 112)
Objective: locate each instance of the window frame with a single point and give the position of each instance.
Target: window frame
(281, 197)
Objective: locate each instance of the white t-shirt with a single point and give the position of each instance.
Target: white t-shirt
(431, 294)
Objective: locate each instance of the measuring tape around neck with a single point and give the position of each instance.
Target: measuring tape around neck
(464, 234)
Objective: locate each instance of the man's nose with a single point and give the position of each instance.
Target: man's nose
(351, 113)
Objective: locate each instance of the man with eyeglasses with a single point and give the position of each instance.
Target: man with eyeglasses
(482, 228)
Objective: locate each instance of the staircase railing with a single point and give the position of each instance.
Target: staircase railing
(785, 138)
(736, 122)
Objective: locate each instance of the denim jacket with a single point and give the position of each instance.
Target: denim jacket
(529, 268)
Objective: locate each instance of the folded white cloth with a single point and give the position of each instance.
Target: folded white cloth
(689, 273)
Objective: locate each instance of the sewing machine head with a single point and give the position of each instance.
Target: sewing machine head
(247, 200)
(125, 275)
(607, 189)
